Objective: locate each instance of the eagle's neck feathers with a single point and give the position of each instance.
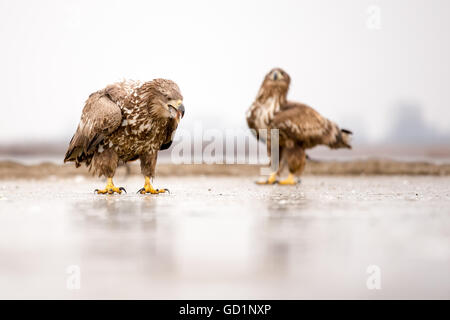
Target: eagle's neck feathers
(266, 105)
(141, 98)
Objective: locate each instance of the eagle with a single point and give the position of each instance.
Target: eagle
(300, 126)
(126, 121)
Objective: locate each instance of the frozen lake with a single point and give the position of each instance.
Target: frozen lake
(219, 237)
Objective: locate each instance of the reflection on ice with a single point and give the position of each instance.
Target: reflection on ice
(227, 238)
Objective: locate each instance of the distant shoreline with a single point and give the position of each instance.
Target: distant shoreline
(15, 170)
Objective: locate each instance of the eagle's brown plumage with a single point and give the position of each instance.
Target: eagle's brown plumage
(126, 121)
(300, 127)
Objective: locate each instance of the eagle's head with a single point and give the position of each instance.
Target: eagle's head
(166, 100)
(276, 83)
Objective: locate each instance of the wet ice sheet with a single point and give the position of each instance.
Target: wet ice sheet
(227, 238)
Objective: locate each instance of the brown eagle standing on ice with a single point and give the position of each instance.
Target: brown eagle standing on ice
(300, 127)
(127, 121)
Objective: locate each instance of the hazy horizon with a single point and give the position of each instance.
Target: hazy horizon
(356, 75)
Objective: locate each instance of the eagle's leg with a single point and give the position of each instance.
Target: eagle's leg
(105, 163)
(295, 157)
(271, 180)
(148, 188)
(148, 165)
(110, 188)
(281, 163)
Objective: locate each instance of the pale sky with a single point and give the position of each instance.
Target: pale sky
(55, 53)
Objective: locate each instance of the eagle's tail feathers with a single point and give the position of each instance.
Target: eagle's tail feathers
(342, 139)
(80, 149)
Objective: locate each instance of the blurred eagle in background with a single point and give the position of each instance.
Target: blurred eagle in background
(300, 126)
(127, 121)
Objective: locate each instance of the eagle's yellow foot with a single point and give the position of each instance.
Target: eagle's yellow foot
(148, 188)
(271, 180)
(289, 181)
(110, 188)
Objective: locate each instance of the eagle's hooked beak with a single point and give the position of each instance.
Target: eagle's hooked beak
(276, 75)
(181, 110)
(177, 107)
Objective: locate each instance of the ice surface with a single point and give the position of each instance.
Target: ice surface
(219, 237)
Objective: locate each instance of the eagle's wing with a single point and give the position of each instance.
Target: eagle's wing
(100, 117)
(305, 125)
(251, 118)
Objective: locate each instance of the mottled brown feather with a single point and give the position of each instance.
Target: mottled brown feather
(300, 126)
(125, 121)
(306, 126)
(100, 117)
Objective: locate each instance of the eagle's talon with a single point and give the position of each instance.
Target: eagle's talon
(271, 180)
(266, 182)
(148, 188)
(123, 189)
(110, 188)
(152, 191)
(289, 181)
